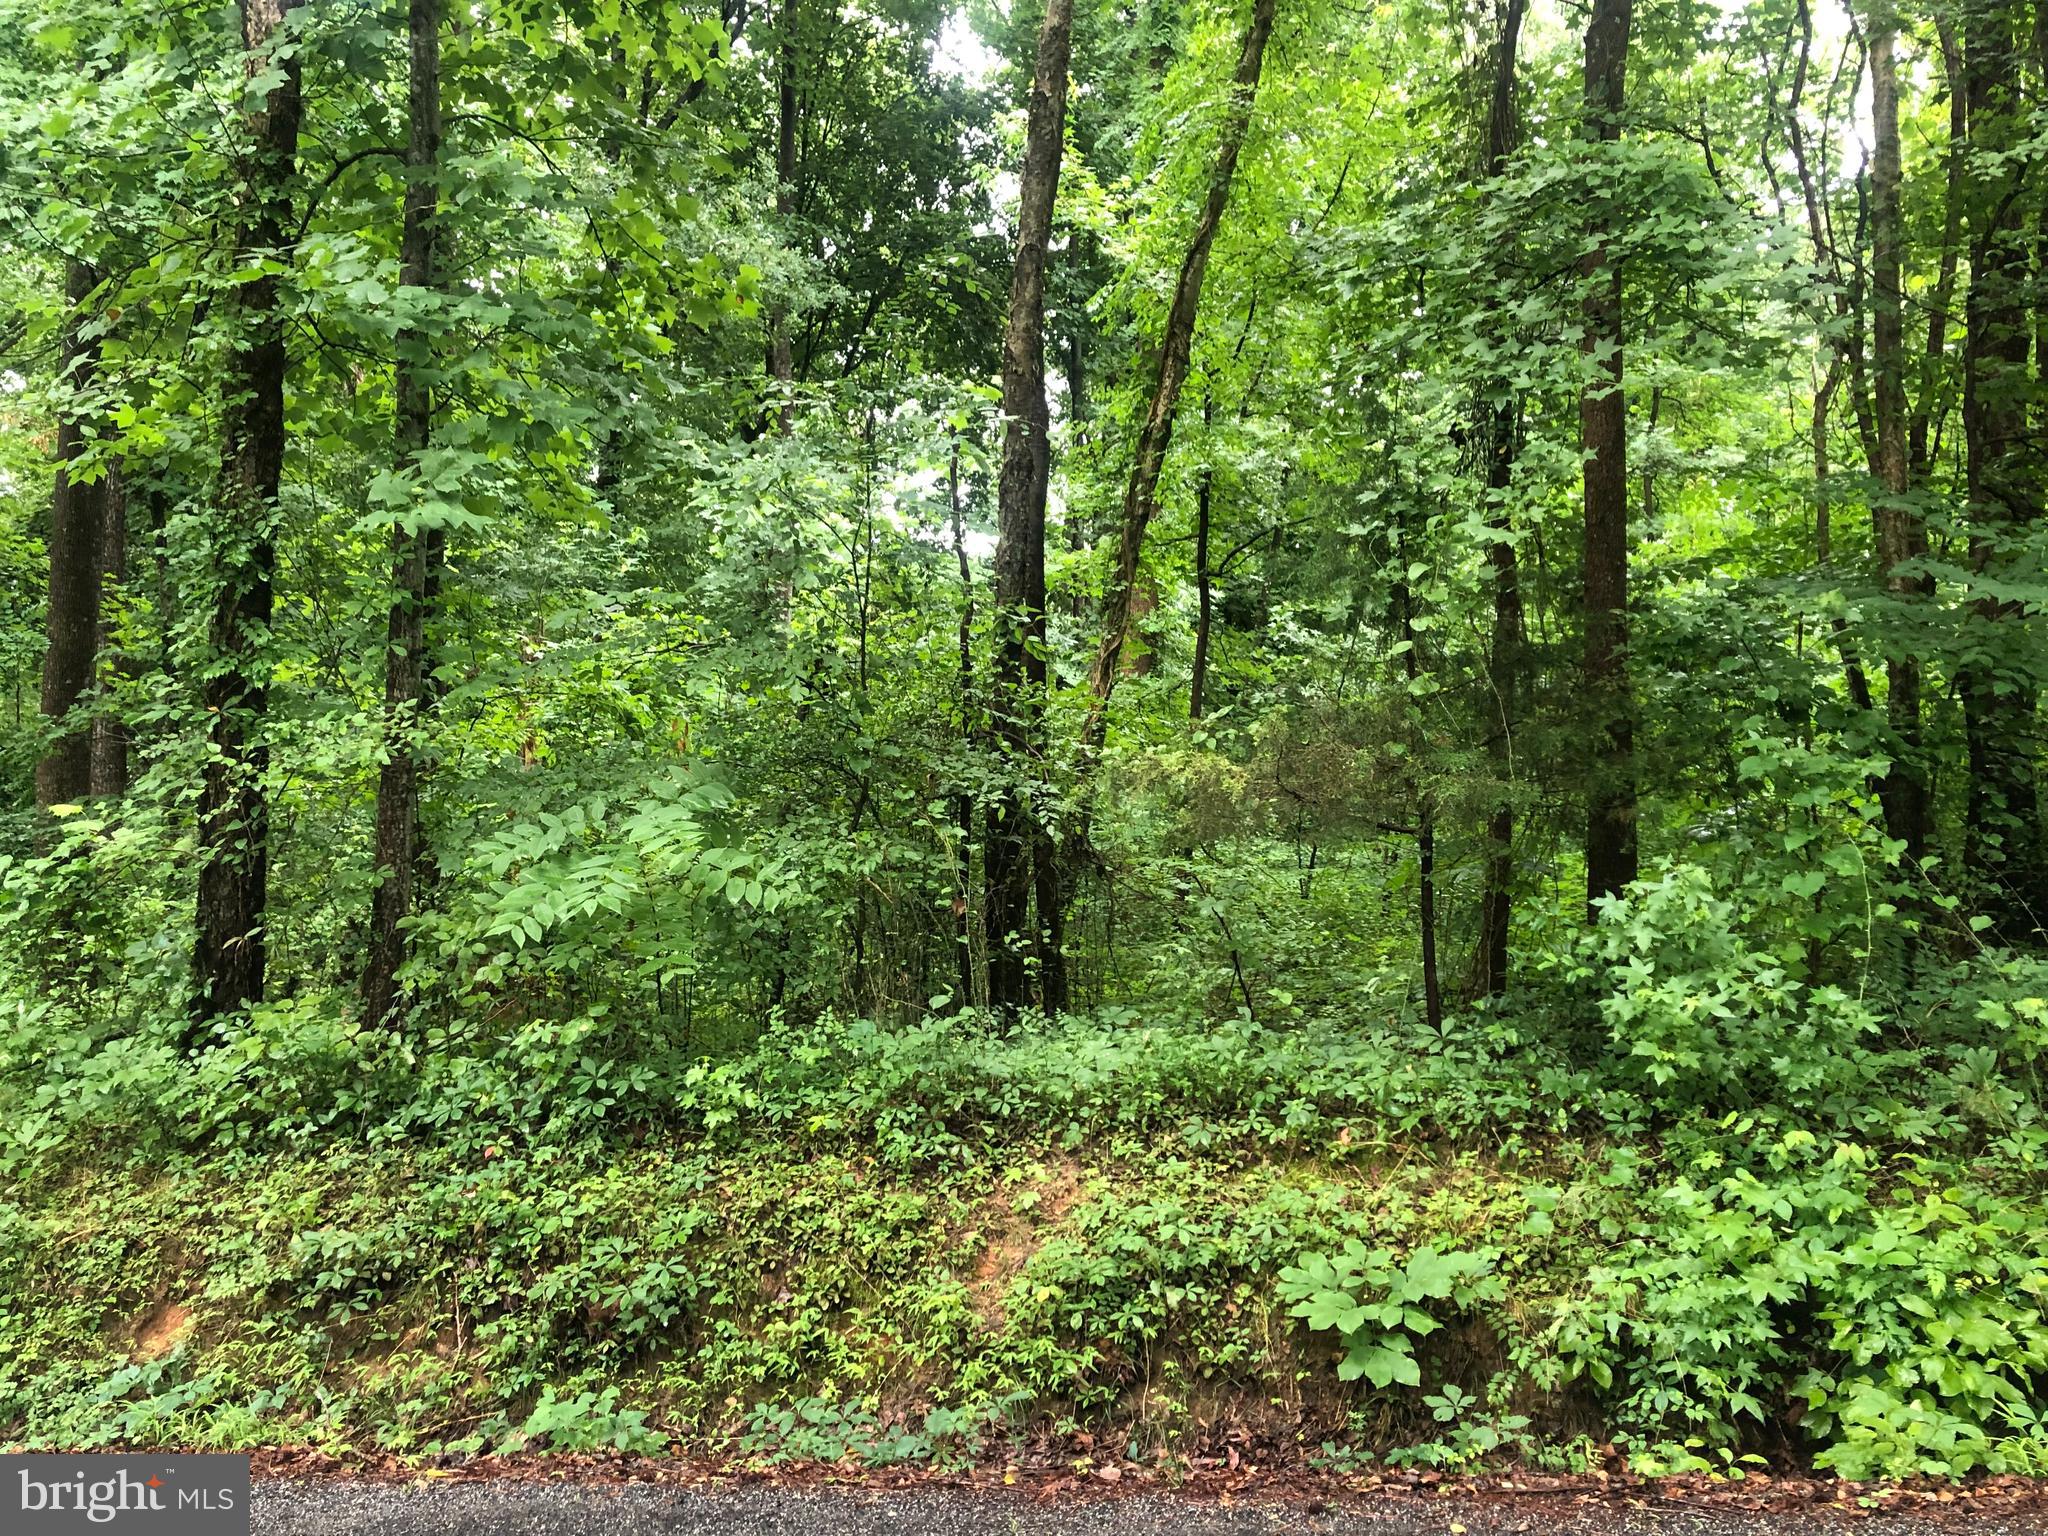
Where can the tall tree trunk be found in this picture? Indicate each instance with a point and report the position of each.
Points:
(405, 651)
(781, 362)
(1901, 536)
(1853, 675)
(109, 774)
(1176, 351)
(1423, 792)
(1074, 521)
(2001, 680)
(234, 811)
(1049, 892)
(1198, 672)
(963, 803)
(64, 774)
(1499, 433)
(1019, 675)
(1603, 435)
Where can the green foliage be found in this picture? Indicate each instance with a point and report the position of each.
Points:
(1702, 1020)
(819, 1430)
(1469, 1437)
(695, 1128)
(1378, 1307)
(590, 1421)
(1902, 1314)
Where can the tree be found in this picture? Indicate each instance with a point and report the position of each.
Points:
(1901, 532)
(1018, 679)
(1603, 437)
(1205, 600)
(234, 812)
(108, 774)
(2002, 675)
(412, 550)
(1499, 427)
(1155, 433)
(77, 517)
(781, 362)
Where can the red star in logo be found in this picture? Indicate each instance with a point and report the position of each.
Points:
(155, 1482)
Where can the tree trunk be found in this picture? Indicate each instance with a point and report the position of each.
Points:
(64, 774)
(1425, 797)
(1603, 434)
(1853, 675)
(405, 652)
(1901, 536)
(1198, 672)
(1504, 655)
(1176, 351)
(1049, 891)
(2000, 681)
(234, 812)
(109, 733)
(1140, 646)
(1019, 677)
(963, 803)
(781, 362)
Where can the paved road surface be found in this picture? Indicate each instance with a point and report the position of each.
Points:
(525, 1509)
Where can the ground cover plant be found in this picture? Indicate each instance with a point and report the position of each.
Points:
(858, 732)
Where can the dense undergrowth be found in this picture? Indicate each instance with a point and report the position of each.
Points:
(678, 778)
(1522, 1236)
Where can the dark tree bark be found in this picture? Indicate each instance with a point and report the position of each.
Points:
(1019, 677)
(2003, 842)
(1901, 535)
(1176, 351)
(1499, 434)
(234, 812)
(1198, 672)
(1049, 892)
(1603, 435)
(781, 361)
(1424, 794)
(77, 509)
(109, 774)
(405, 651)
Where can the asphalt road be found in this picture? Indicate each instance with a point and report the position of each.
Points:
(526, 1509)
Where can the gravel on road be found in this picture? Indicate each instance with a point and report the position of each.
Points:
(344, 1508)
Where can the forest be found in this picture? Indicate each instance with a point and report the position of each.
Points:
(864, 731)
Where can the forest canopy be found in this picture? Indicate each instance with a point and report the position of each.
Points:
(1390, 655)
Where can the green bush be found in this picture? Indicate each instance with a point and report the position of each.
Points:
(1892, 1312)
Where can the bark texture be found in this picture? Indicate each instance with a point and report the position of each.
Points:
(234, 812)
(77, 508)
(1901, 535)
(1018, 680)
(781, 360)
(1499, 436)
(1603, 435)
(109, 773)
(2003, 844)
(405, 655)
